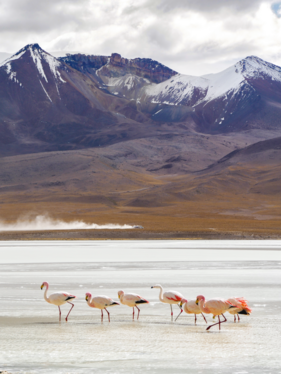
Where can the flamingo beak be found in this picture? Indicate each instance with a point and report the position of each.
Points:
(196, 301)
(152, 287)
(87, 297)
(42, 286)
(118, 296)
(180, 304)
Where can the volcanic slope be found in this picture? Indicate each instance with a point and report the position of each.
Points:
(45, 105)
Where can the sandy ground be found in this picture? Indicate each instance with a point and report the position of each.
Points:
(136, 234)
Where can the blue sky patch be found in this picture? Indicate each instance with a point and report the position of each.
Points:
(276, 8)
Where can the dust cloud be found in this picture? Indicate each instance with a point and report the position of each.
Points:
(44, 222)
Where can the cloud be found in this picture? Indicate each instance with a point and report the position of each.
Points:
(190, 36)
(203, 6)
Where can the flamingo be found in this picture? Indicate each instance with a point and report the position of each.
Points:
(169, 297)
(131, 299)
(190, 307)
(100, 302)
(242, 307)
(214, 306)
(58, 298)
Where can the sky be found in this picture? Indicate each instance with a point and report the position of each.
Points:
(190, 36)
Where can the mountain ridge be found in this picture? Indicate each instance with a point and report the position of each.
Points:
(47, 104)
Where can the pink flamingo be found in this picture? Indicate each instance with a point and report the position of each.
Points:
(190, 307)
(58, 298)
(214, 306)
(100, 302)
(169, 297)
(242, 307)
(132, 300)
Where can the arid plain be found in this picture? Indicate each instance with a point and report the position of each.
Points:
(197, 193)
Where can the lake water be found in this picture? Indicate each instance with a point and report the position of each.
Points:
(33, 341)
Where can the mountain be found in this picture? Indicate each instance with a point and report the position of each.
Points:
(45, 105)
(81, 101)
(244, 96)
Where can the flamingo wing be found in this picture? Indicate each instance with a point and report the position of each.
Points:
(101, 301)
(242, 305)
(172, 296)
(59, 298)
(191, 307)
(131, 299)
(217, 306)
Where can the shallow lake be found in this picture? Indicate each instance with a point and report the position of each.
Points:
(33, 341)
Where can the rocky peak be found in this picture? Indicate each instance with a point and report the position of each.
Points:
(142, 67)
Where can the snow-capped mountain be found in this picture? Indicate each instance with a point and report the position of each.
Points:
(44, 101)
(214, 102)
(78, 100)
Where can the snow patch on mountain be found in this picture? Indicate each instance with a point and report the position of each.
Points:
(223, 82)
(255, 67)
(176, 89)
(45, 91)
(190, 90)
(14, 57)
(54, 64)
(12, 74)
(37, 61)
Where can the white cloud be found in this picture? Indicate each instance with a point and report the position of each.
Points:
(190, 36)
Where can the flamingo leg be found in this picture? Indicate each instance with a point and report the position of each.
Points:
(133, 313)
(238, 317)
(234, 318)
(108, 314)
(204, 317)
(171, 312)
(179, 314)
(195, 318)
(138, 312)
(59, 314)
(70, 310)
(101, 315)
(218, 323)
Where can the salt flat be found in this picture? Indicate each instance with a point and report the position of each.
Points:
(32, 340)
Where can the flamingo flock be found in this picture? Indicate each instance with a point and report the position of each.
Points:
(216, 307)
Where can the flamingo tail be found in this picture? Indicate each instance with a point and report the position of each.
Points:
(142, 301)
(244, 311)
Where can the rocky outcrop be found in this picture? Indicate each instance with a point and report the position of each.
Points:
(117, 66)
(142, 67)
(84, 63)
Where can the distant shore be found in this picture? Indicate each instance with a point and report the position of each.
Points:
(134, 234)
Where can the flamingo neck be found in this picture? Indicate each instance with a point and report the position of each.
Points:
(161, 294)
(202, 307)
(45, 294)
